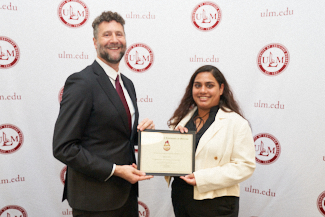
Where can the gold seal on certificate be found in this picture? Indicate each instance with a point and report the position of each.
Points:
(166, 153)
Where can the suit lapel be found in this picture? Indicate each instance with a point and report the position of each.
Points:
(184, 121)
(111, 93)
(212, 130)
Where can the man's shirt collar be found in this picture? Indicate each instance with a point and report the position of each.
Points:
(108, 70)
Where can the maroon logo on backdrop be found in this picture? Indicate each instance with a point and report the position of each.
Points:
(267, 148)
(60, 94)
(206, 16)
(139, 57)
(273, 59)
(321, 203)
(11, 138)
(143, 210)
(62, 174)
(13, 211)
(9, 52)
(73, 13)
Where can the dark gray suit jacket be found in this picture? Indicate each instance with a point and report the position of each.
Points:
(90, 135)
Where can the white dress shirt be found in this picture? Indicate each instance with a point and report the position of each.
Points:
(112, 74)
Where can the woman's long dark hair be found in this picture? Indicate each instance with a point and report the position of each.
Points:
(227, 100)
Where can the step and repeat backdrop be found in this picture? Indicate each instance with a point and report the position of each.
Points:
(271, 52)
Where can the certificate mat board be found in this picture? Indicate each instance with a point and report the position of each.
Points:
(166, 153)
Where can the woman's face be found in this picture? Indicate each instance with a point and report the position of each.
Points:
(206, 91)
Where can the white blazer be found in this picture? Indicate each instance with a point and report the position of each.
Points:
(225, 156)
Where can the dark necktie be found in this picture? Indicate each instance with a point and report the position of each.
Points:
(121, 94)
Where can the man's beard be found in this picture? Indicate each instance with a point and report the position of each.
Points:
(105, 55)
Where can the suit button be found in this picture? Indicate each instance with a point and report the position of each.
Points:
(216, 158)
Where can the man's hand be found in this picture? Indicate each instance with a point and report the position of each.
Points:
(146, 124)
(189, 179)
(130, 173)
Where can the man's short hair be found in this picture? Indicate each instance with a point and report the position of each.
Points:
(107, 16)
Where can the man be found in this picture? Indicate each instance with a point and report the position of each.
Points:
(97, 128)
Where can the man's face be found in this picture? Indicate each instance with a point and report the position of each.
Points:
(110, 43)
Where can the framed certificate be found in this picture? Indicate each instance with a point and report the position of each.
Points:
(166, 153)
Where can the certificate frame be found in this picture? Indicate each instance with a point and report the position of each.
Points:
(166, 152)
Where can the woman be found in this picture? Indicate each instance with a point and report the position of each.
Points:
(225, 154)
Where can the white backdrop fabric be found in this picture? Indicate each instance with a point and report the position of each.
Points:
(271, 52)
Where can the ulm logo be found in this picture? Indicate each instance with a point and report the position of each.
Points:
(206, 16)
(139, 57)
(321, 203)
(11, 138)
(73, 13)
(60, 94)
(63, 174)
(143, 210)
(267, 148)
(13, 211)
(9, 53)
(273, 59)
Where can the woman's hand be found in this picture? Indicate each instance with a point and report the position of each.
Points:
(146, 124)
(189, 179)
(181, 129)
